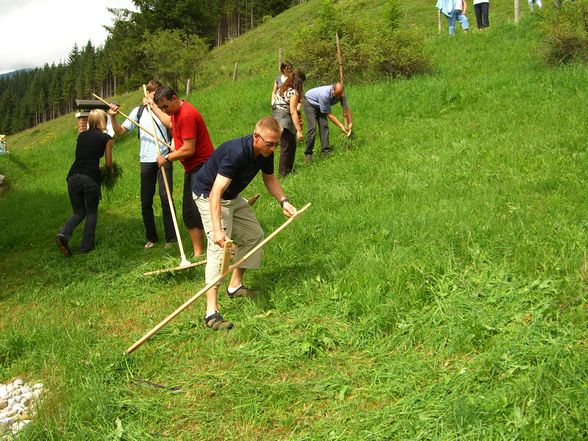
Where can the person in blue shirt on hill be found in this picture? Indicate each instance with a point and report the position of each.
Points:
(150, 172)
(454, 10)
(226, 215)
(317, 109)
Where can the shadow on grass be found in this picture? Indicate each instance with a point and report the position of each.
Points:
(31, 262)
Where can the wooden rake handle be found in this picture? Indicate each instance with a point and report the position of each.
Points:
(216, 281)
(149, 132)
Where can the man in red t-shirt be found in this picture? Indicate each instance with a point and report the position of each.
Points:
(192, 148)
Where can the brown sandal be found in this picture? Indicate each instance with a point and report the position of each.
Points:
(217, 322)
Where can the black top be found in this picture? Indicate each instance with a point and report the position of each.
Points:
(234, 160)
(89, 149)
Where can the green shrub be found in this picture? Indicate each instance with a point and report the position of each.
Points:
(567, 32)
(370, 49)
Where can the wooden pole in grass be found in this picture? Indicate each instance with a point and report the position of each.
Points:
(516, 11)
(184, 262)
(216, 281)
(134, 122)
(339, 58)
(439, 21)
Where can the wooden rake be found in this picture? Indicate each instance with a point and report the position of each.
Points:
(216, 281)
(185, 263)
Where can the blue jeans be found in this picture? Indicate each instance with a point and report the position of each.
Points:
(84, 195)
(457, 15)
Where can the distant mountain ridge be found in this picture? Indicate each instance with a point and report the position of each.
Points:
(14, 72)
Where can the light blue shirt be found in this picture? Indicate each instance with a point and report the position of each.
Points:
(148, 151)
(445, 6)
(322, 97)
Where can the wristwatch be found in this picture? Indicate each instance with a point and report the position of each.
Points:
(166, 157)
(283, 201)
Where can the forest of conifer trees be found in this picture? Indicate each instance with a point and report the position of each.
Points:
(133, 51)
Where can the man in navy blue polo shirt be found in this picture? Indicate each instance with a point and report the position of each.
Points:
(317, 109)
(226, 215)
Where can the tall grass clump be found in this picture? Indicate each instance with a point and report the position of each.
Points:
(567, 32)
(372, 49)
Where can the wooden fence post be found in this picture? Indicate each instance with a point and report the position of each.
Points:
(235, 71)
(516, 11)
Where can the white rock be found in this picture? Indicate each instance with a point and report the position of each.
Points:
(18, 382)
(18, 408)
(3, 392)
(9, 388)
(6, 421)
(25, 389)
(38, 386)
(36, 393)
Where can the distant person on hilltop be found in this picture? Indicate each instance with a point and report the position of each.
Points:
(317, 109)
(83, 182)
(193, 147)
(454, 10)
(481, 8)
(227, 215)
(532, 4)
(150, 171)
(286, 70)
(285, 110)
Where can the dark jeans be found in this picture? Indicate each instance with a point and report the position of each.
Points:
(150, 176)
(481, 10)
(84, 194)
(314, 115)
(190, 211)
(287, 152)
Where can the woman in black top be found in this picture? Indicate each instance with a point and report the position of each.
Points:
(83, 182)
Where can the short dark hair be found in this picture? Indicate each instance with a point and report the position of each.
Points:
(164, 92)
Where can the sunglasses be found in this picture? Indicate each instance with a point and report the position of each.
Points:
(269, 144)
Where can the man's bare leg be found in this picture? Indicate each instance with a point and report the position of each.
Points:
(197, 237)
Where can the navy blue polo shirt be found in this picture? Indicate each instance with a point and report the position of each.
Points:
(233, 160)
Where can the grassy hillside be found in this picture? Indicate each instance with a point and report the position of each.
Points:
(436, 289)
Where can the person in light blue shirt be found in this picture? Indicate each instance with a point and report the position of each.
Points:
(150, 171)
(455, 11)
(318, 103)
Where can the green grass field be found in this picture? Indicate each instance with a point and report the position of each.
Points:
(436, 288)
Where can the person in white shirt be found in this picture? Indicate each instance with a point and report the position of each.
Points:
(532, 4)
(481, 8)
(150, 171)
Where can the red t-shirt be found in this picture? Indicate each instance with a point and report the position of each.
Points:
(188, 123)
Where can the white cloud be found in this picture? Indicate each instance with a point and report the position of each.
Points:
(35, 32)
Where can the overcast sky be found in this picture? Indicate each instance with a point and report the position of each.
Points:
(35, 32)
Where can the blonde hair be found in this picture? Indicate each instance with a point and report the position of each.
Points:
(268, 124)
(97, 119)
